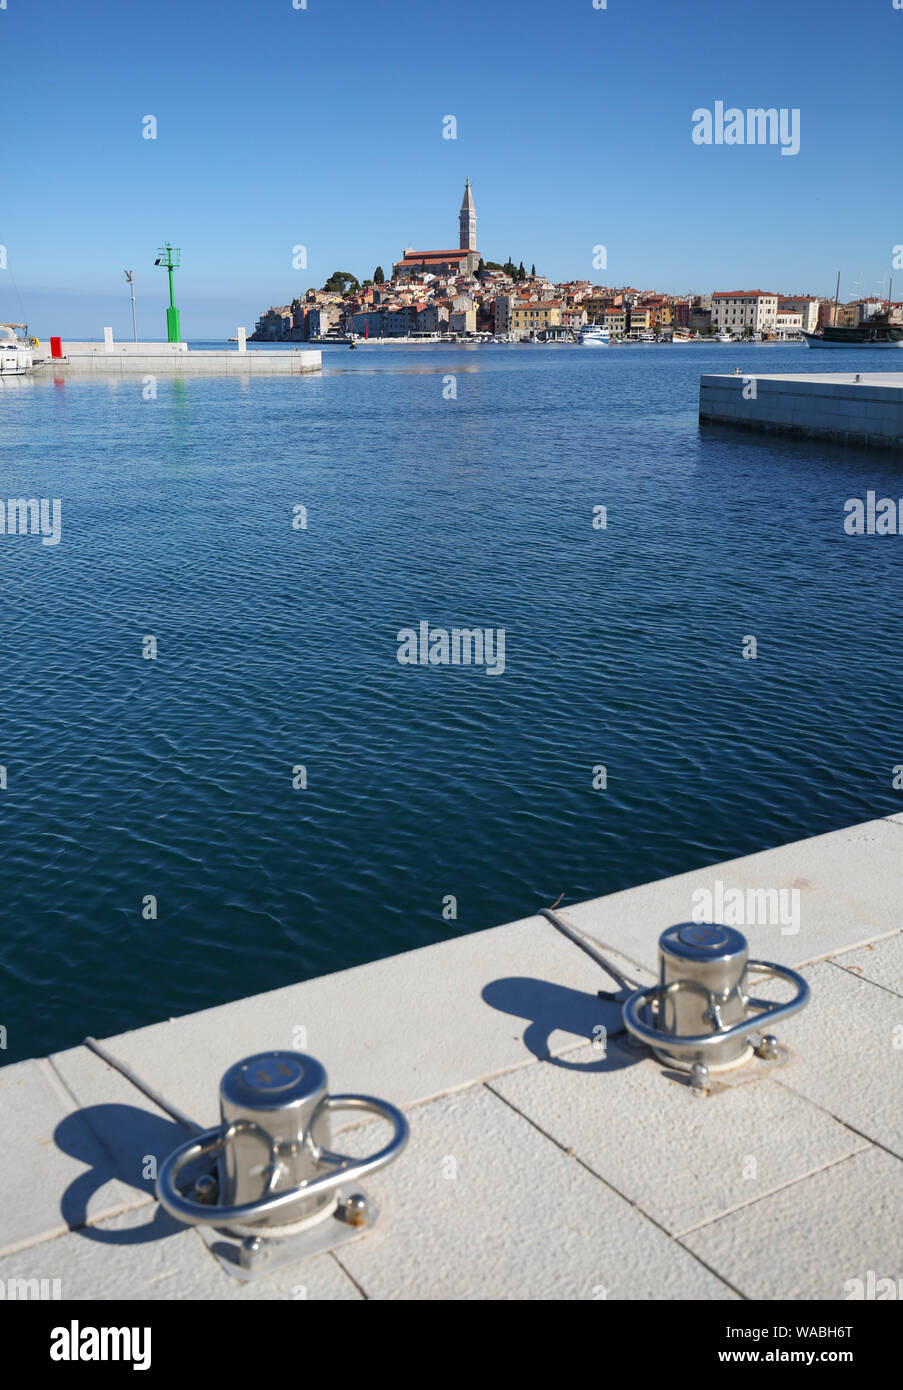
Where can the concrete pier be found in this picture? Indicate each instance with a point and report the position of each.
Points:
(175, 359)
(549, 1158)
(861, 408)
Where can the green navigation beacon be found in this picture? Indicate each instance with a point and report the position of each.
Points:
(169, 257)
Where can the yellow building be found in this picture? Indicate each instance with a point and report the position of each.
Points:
(595, 306)
(530, 317)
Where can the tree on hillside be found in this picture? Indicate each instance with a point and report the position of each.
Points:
(533, 271)
(521, 273)
(342, 282)
(378, 276)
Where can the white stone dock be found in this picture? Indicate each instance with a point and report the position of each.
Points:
(540, 1165)
(862, 408)
(175, 359)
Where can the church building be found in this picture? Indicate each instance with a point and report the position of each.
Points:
(463, 261)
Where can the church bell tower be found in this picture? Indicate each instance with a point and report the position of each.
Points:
(468, 221)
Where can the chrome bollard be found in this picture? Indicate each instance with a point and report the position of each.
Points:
(277, 1174)
(699, 1014)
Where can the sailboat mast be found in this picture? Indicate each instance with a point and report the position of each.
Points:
(836, 298)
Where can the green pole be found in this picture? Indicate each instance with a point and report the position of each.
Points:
(170, 261)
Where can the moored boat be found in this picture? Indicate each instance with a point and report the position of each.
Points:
(594, 335)
(16, 354)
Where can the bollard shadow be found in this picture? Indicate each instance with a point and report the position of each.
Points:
(550, 1008)
(121, 1142)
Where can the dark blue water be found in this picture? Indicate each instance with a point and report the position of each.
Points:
(277, 647)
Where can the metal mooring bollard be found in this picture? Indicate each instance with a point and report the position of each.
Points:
(280, 1191)
(699, 1016)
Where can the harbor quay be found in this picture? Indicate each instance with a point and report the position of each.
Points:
(859, 408)
(172, 359)
(550, 1156)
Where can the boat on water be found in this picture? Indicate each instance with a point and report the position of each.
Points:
(16, 354)
(874, 332)
(724, 337)
(594, 335)
(681, 337)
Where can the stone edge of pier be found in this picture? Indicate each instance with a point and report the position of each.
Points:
(830, 407)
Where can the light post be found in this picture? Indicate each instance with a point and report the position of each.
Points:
(169, 257)
(130, 281)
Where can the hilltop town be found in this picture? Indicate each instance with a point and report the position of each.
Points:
(455, 293)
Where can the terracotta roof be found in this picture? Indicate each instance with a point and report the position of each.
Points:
(744, 294)
(457, 254)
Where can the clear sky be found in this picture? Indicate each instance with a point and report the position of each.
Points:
(323, 127)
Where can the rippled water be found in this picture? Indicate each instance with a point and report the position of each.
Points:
(277, 647)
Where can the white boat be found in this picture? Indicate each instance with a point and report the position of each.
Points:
(681, 338)
(16, 354)
(594, 335)
(724, 337)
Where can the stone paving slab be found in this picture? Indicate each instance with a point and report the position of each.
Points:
(847, 1053)
(682, 1160)
(408, 1027)
(483, 1206)
(880, 963)
(145, 1255)
(850, 885)
(54, 1173)
(810, 1239)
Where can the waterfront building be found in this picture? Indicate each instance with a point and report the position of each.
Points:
(368, 323)
(742, 310)
(788, 322)
(615, 320)
(806, 305)
(504, 305)
(534, 315)
(462, 321)
(640, 319)
(274, 325)
(322, 318)
(433, 319)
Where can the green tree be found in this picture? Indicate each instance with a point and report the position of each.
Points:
(378, 276)
(533, 271)
(342, 282)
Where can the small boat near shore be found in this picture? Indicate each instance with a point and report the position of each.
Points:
(16, 354)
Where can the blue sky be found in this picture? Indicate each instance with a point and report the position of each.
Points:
(322, 127)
